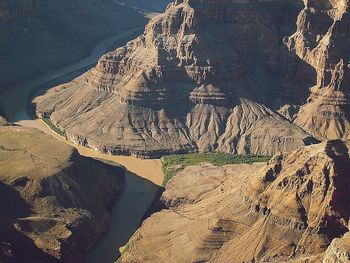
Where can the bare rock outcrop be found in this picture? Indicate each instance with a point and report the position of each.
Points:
(288, 210)
(322, 40)
(55, 204)
(3, 121)
(205, 76)
(339, 250)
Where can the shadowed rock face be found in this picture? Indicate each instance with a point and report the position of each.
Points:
(55, 204)
(149, 5)
(39, 36)
(205, 76)
(322, 40)
(288, 210)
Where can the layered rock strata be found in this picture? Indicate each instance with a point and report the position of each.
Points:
(288, 210)
(55, 204)
(205, 76)
(322, 40)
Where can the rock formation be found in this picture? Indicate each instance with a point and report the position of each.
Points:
(3, 120)
(288, 210)
(339, 250)
(55, 204)
(205, 76)
(322, 40)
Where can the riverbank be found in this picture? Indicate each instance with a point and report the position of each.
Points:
(150, 169)
(15, 105)
(140, 198)
(15, 97)
(173, 164)
(142, 178)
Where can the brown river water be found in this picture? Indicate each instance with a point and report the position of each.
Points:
(142, 178)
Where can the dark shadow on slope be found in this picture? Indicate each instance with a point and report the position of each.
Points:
(127, 216)
(12, 204)
(40, 36)
(338, 151)
(16, 247)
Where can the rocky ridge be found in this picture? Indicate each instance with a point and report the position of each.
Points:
(322, 40)
(205, 76)
(292, 209)
(55, 204)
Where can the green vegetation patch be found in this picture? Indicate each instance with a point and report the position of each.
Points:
(122, 251)
(52, 126)
(173, 164)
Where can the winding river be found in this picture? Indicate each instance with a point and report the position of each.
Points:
(142, 177)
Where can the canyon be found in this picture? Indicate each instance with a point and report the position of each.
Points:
(322, 39)
(215, 76)
(262, 77)
(37, 37)
(55, 204)
(57, 200)
(204, 76)
(292, 209)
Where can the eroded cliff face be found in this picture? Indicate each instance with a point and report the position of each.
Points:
(322, 40)
(205, 76)
(288, 210)
(339, 250)
(55, 204)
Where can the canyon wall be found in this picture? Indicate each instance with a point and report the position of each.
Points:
(292, 209)
(55, 204)
(205, 76)
(39, 36)
(322, 40)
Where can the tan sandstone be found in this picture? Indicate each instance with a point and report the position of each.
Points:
(204, 76)
(288, 210)
(55, 204)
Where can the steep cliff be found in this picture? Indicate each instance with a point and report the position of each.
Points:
(288, 210)
(55, 204)
(39, 36)
(205, 76)
(322, 40)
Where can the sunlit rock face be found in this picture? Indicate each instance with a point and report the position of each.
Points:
(292, 209)
(204, 76)
(339, 250)
(322, 40)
